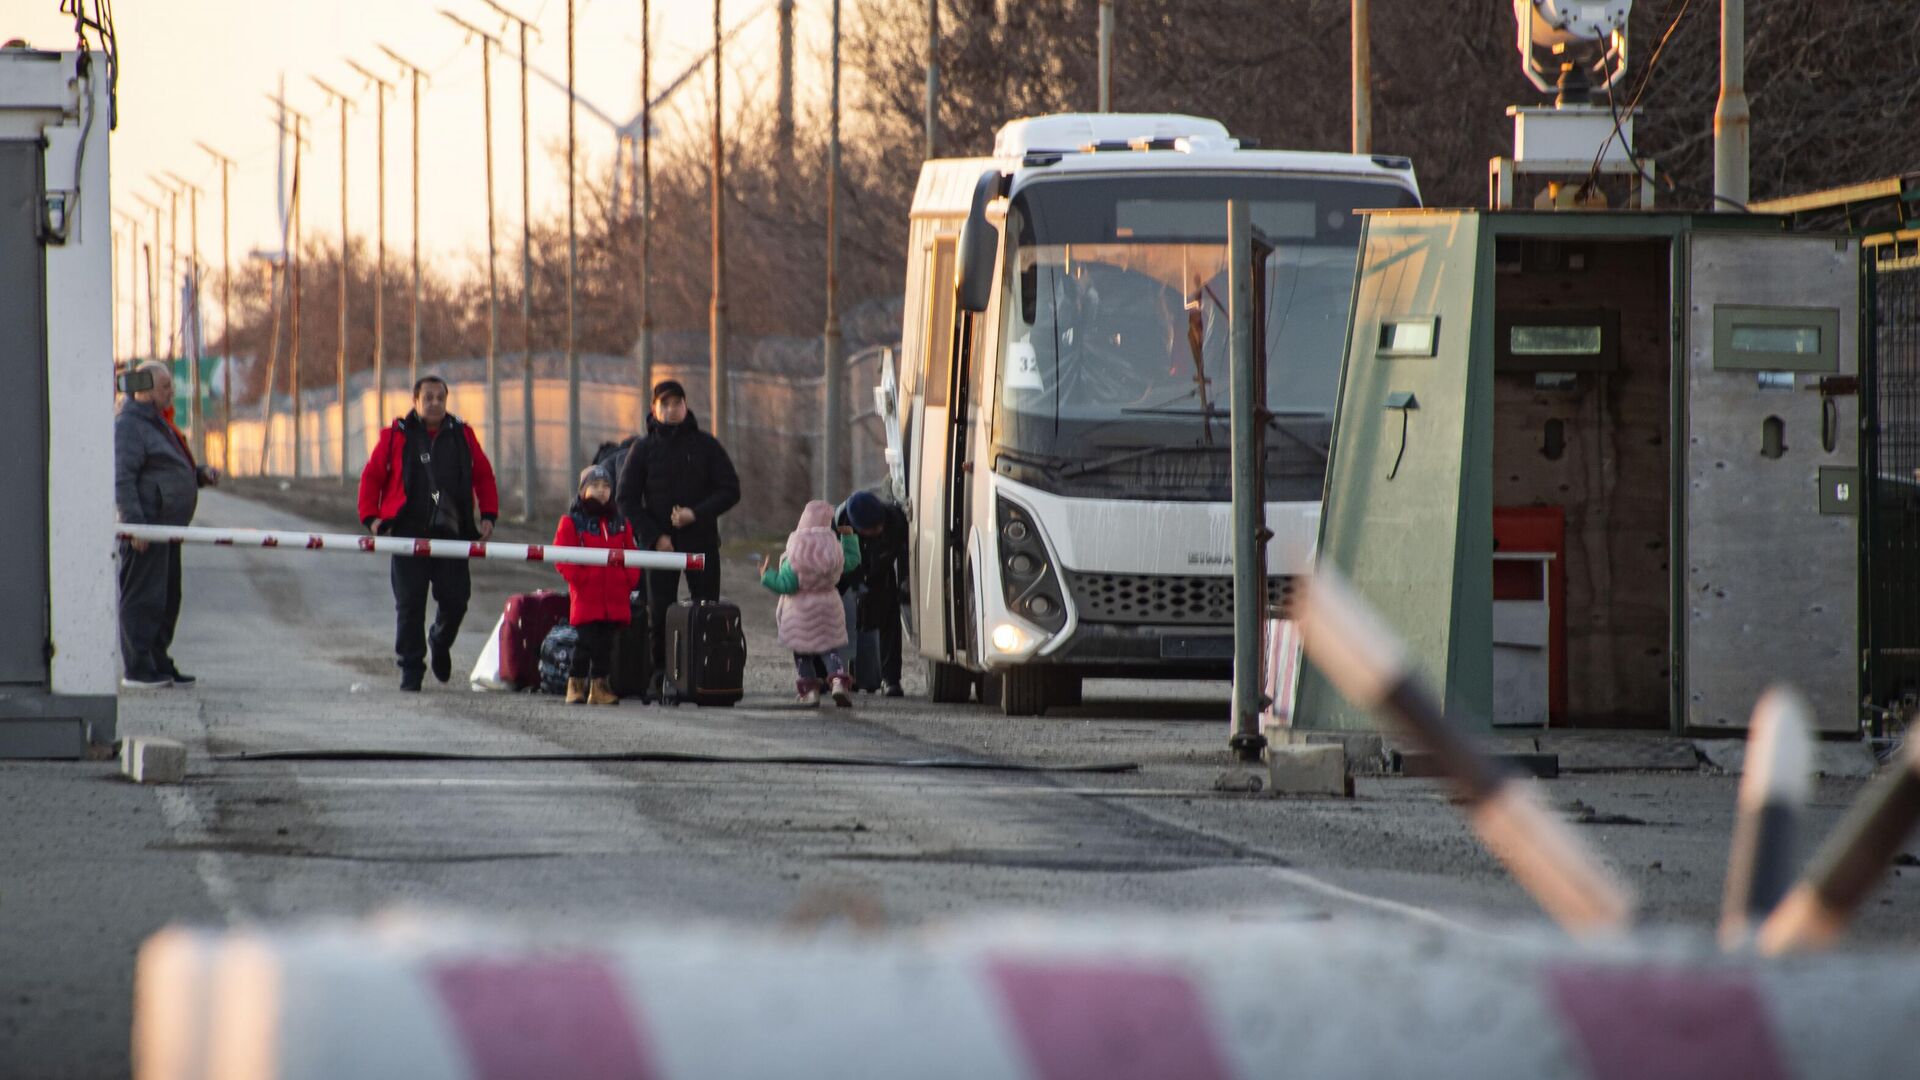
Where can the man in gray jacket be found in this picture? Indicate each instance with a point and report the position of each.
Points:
(155, 482)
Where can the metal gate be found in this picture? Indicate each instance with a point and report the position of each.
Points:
(1890, 451)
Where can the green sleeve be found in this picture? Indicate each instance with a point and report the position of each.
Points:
(781, 579)
(850, 548)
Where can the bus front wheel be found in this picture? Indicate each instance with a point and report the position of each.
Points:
(948, 684)
(1026, 690)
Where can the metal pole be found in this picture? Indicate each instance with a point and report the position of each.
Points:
(645, 360)
(173, 273)
(340, 296)
(418, 73)
(381, 88)
(487, 44)
(153, 287)
(1362, 77)
(226, 318)
(1249, 553)
(530, 477)
(293, 299)
(573, 271)
(783, 125)
(833, 433)
(1106, 55)
(528, 448)
(1732, 122)
(194, 421)
(932, 112)
(717, 316)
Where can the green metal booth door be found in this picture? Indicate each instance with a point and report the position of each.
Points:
(1412, 448)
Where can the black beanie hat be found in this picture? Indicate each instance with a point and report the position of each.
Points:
(668, 388)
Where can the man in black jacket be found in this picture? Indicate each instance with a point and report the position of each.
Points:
(676, 482)
(876, 590)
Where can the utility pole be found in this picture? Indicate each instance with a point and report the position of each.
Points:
(573, 270)
(226, 318)
(153, 287)
(1106, 55)
(194, 419)
(172, 262)
(645, 359)
(833, 435)
(528, 453)
(932, 121)
(1363, 77)
(381, 89)
(488, 42)
(1732, 122)
(783, 125)
(418, 73)
(292, 254)
(717, 317)
(133, 283)
(340, 348)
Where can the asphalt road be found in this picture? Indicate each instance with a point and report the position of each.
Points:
(293, 653)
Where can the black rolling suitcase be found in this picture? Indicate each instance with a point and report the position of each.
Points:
(706, 653)
(633, 654)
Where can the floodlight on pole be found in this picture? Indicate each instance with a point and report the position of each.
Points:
(226, 316)
(529, 477)
(340, 310)
(417, 73)
(194, 420)
(382, 87)
(488, 43)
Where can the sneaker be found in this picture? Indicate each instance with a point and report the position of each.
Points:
(182, 679)
(808, 693)
(157, 682)
(842, 691)
(893, 690)
(442, 663)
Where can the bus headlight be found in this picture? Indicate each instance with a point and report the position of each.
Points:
(1008, 638)
(1027, 577)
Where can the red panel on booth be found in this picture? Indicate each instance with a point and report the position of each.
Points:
(1540, 529)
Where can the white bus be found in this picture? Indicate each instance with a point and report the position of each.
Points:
(1059, 429)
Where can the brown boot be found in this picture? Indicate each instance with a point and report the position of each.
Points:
(576, 691)
(601, 693)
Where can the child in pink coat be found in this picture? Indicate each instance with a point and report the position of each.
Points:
(811, 617)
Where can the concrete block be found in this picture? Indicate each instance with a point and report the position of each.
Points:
(153, 761)
(1308, 770)
(1366, 750)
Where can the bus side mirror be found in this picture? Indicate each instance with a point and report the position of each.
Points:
(979, 244)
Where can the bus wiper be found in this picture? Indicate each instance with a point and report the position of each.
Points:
(1277, 421)
(1049, 465)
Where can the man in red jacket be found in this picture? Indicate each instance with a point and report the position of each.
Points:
(425, 475)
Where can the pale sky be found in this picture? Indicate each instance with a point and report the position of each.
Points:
(202, 69)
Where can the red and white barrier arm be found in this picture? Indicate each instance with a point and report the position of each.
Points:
(401, 545)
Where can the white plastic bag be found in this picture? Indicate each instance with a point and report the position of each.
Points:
(486, 670)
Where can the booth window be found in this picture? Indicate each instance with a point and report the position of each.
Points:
(1405, 336)
(1559, 341)
(1775, 338)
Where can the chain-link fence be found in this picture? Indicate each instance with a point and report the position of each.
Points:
(773, 433)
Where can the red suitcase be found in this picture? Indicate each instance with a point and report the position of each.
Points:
(530, 617)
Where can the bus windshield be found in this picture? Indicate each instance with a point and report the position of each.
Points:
(1114, 378)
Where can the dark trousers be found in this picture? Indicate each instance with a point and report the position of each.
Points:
(593, 652)
(413, 577)
(663, 591)
(149, 608)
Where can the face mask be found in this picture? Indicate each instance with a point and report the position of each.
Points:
(591, 505)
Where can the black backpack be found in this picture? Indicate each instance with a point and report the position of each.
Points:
(556, 658)
(614, 457)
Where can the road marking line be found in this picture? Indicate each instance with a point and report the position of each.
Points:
(190, 827)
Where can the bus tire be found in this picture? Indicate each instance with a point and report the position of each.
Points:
(1025, 690)
(949, 684)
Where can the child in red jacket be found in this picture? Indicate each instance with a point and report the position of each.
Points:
(598, 595)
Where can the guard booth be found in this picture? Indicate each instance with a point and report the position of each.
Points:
(1600, 469)
(59, 638)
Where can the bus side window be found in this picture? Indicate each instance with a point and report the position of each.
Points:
(937, 350)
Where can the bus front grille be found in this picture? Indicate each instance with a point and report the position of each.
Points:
(1167, 599)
